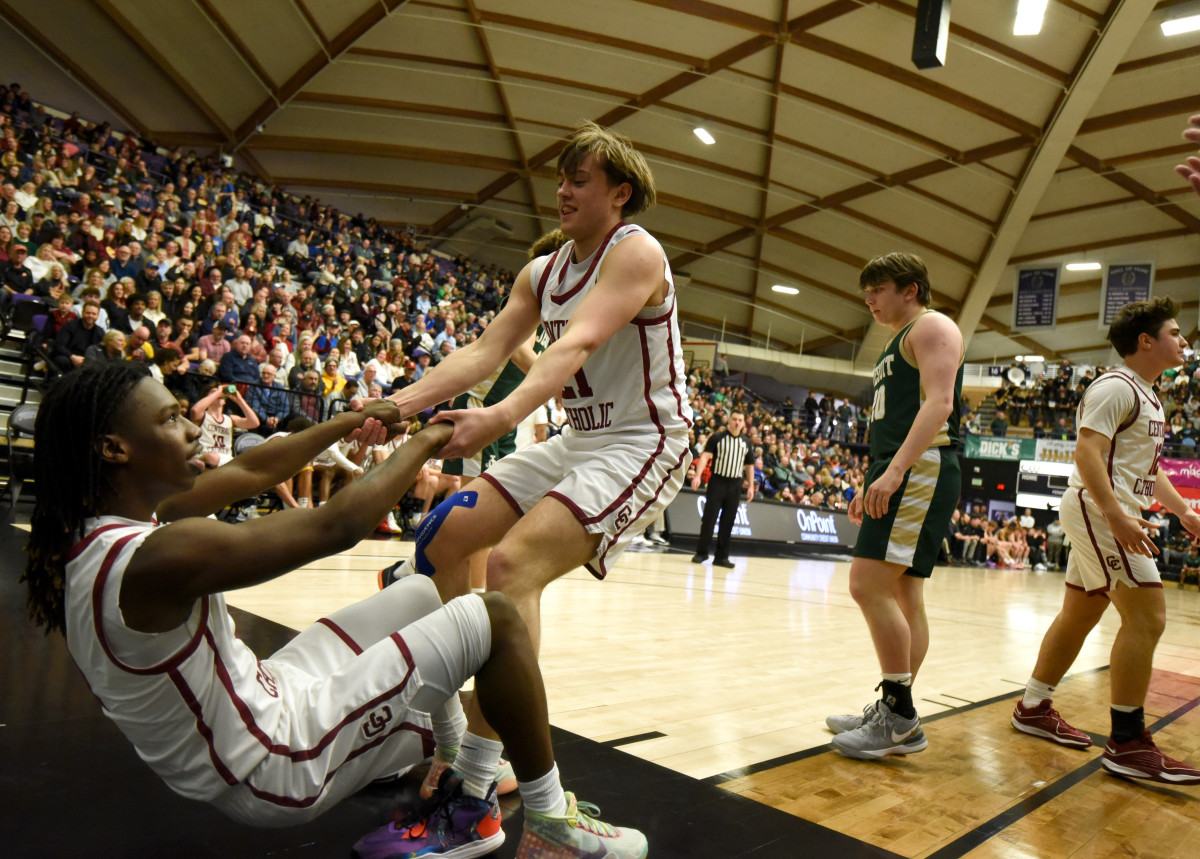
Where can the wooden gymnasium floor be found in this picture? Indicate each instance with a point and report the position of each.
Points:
(689, 702)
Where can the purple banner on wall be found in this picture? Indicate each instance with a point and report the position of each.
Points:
(1182, 472)
(1036, 298)
(1124, 283)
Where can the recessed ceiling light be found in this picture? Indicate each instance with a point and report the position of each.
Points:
(1029, 17)
(1084, 266)
(704, 136)
(786, 290)
(1181, 25)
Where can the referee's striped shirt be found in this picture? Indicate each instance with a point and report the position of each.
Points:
(731, 454)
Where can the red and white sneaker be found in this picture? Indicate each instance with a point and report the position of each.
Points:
(1044, 721)
(1140, 758)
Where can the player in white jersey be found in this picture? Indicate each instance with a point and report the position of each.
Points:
(216, 426)
(1120, 423)
(366, 692)
(607, 301)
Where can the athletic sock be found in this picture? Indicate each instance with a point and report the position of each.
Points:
(1036, 692)
(1128, 723)
(897, 694)
(476, 761)
(544, 795)
(406, 568)
(449, 725)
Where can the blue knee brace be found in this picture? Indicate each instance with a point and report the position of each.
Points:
(432, 523)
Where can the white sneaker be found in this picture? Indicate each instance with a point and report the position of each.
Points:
(884, 733)
(578, 833)
(841, 724)
(657, 539)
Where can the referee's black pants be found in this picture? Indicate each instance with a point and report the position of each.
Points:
(722, 497)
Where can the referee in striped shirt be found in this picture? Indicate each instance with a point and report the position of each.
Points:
(731, 456)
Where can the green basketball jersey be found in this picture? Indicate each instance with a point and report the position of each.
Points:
(898, 397)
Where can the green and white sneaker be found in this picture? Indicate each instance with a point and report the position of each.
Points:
(883, 733)
(841, 724)
(579, 834)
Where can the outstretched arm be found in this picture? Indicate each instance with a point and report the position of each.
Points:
(272, 462)
(185, 560)
(464, 368)
(632, 273)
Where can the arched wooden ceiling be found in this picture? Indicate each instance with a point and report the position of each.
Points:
(831, 148)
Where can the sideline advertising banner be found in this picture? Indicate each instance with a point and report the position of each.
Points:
(769, 522)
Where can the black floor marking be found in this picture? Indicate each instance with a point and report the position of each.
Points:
(792, 757)
(964, 844)
(636, 738)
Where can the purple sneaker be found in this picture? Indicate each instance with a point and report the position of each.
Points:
(450, 825)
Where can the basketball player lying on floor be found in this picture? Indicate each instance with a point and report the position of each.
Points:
(120, 559)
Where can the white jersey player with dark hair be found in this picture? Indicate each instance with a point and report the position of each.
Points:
(1116, 475)
(607, 301)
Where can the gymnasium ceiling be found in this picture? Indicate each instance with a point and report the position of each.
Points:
(831, 148)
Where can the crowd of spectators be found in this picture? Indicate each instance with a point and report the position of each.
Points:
(796, 456)
(176, 260)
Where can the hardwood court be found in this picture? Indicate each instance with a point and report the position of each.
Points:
(689, 702)
(727, 676)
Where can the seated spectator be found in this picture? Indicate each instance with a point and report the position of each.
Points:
(334, 381)
(167, 366)
(138, 346)
(307, 399)
(238, 365)
(339, 401)
(214, 346)
(110, 349)
(63, 313)
(305, 363)
(17, 277)
(216, 426)
(76, 337)
(270, 403)
(1191, 567)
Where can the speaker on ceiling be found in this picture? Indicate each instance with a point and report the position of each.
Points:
(931, 34)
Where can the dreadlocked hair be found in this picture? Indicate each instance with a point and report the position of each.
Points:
(77, 411)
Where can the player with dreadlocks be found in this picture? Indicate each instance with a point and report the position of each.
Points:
(124, 561)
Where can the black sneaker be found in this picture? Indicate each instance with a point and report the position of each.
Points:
(723, 562)
(698, 558)
(387, 576)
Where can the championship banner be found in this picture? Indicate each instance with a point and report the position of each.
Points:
(1124, 283)
(1035, 299)
(994, 447)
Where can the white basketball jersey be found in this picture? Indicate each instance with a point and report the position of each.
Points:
(1123, 406)
(634, 383)
(216, 435)
(194, 701)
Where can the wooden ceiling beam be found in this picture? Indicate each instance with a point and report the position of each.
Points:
(411, 107)
(669, 87)
(1161, 110)
(1051, 253)
(160, 61)
(287, 143)
(509, 119)
(1093, 70)
(1137, 189)
(235, 41)
(31, 34)
(330, 51)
